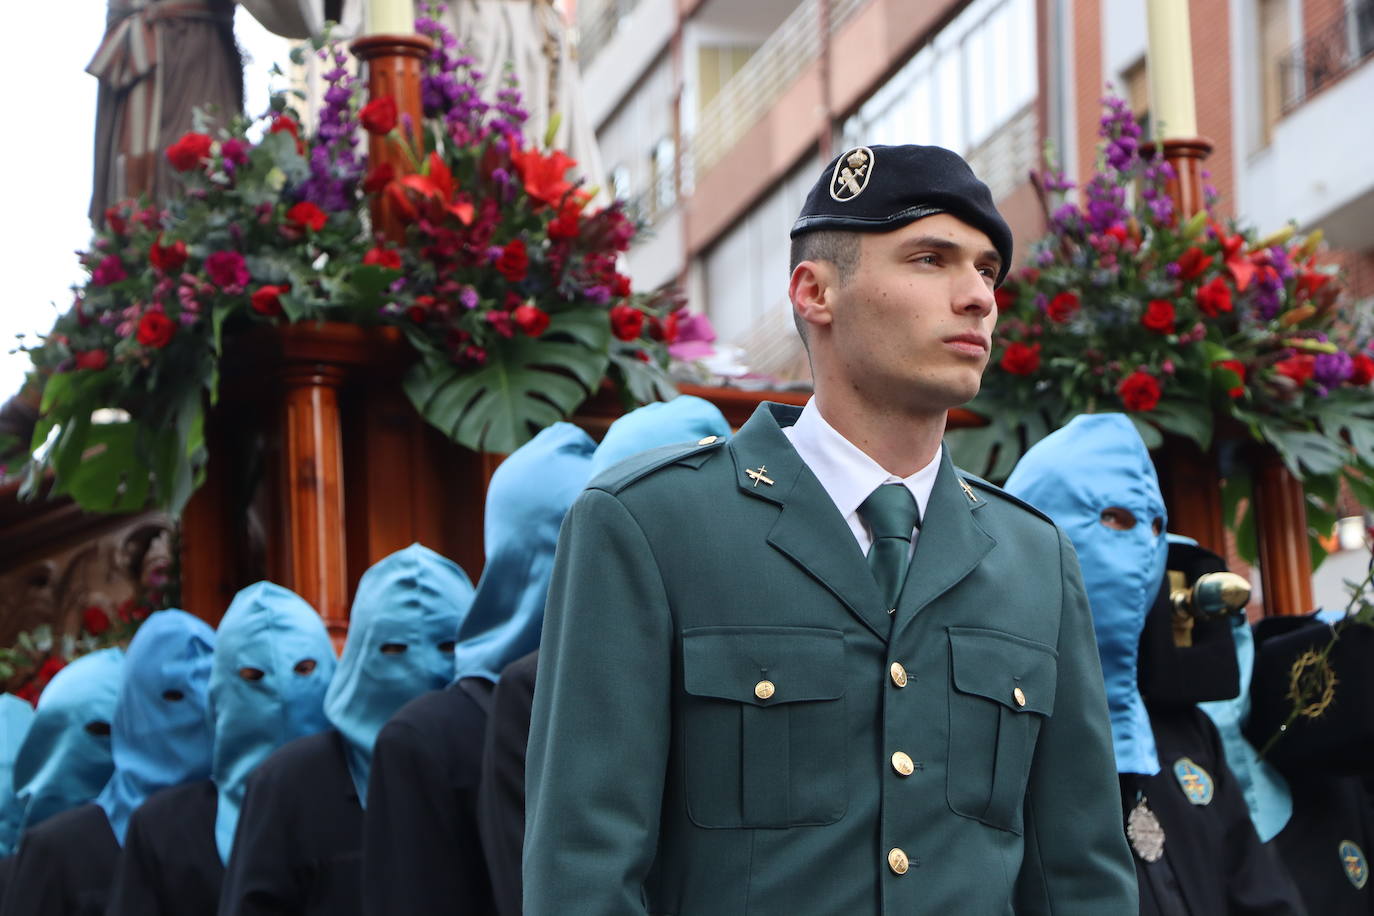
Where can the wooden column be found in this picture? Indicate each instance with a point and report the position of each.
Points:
(1281, 532)
(1192, 491)
(312, 463)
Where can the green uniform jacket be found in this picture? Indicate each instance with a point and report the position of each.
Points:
(664, 776)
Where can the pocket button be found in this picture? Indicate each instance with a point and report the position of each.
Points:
(764, 689)
(1019, 696)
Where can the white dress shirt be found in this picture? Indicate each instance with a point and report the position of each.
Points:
(848, 475)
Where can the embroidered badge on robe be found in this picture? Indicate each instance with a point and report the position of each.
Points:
(1355, 865)
(1195, 782)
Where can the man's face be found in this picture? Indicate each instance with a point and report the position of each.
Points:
(913, 325)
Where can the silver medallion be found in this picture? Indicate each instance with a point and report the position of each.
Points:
(1145, 833)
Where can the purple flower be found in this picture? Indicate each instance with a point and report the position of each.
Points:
(1106, 203)
(468, 297)
(598, 294)
(1122, 133)
(335, 170)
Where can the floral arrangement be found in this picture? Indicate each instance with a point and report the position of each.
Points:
(506, 283)
(1190, 326)
(37, 655)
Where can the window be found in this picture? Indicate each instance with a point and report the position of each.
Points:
(662, 192)
(1273, 45)
(1136, 88)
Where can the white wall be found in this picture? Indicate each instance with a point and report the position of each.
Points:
(617, 68)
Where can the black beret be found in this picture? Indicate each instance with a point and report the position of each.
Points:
(881, 188)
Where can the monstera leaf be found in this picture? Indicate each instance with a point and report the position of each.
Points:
(528, 385)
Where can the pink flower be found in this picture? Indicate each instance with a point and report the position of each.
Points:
(227, 269)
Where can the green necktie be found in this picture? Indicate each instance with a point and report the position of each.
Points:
(891, 513)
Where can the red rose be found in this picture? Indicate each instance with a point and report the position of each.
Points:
(1062, 307)
(227, 268)
(1214, 297)
(1021, 359)
(266, 300)
(502, 322)
(533, 321)
(1362, 370)
(379, 115)
(155, 330)
(167, 258)
(1297, 368)
(1005, 297)
(621, 287)
(389, 258)
(51, 665)
(1118, 232)
(670, 326)
(514, 261)
(114, 218)
(1238, 367)
(94, 360)
(307, 216)
(1139, 391)
(1192, 263)
(95, 621)
(187, 153)
(379, 177)
(1159, 316)
(627, 322)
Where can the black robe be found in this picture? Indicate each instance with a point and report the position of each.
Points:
(298, 846)
(501, 800)
(1214, 862)
(422, 852)
(65, 866)
(6, 870)
(170, 865)
(1330, 811)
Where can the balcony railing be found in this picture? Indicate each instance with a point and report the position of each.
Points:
(596, 30)
(1327, 54)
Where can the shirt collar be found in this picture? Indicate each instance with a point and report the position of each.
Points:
(846, 473)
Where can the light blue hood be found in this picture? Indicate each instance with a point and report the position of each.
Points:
(161, 733)
(684, 419)
(413, 598)
(528, 496)
(16, 716)
(65, 758)
(1095, 462)
(1266, 793)
(266, 633)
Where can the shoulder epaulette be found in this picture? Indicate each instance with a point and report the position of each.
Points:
(995, 490)
(619, 476)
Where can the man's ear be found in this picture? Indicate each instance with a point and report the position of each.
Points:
(812, 291)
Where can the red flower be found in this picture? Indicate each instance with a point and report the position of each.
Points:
(565, 225)
(1238, 367)
(167, 258)
(1297, 368)
(436, 185)
(627, 322)
(51, 665)
(533, 321)
(1362, 370)
(1192, 263)
(1159, 316)
(1005, 296)
(114, 218)
(109, 270)
(95, 621)
(266, 300)
(227, 268)
(389, 258)
(155, 330)
(307, 216)
(621, 287)
(1139, 391)
(1117, 231)
(514, 261)
(379, 177)
(544, 175)
(94, 360)
(1062, 307)
(187, 153)
(234, 150)
(1020, 358)
(670, 326)
(502, 322)
(379, 115)
(1309, 282)
(283, 123)
(1214, 297)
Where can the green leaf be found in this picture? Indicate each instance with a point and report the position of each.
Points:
(1190, 419)
(1246, 544)
(1148, 431)
(1312, 452)
(112, 478)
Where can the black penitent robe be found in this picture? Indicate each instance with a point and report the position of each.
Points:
(501, 801)
(298, 846)
(170, 865)
(422, 851)
(1214, 862)
(1327, 843)
(6, 870)
(65, 866)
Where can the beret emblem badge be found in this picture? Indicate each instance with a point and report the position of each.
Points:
(852, 172)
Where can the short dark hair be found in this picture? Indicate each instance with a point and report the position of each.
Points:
(837, 246)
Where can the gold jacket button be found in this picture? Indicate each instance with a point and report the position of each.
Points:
(902, 764)
(764, 689)
(898, 674)
(1019, 696)
(708, 440)
(897, 861)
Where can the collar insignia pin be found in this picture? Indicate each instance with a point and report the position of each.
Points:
(758, 475)
(968, 491)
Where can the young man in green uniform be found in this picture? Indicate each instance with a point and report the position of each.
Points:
(815, 669)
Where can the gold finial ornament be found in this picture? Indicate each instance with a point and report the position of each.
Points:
(852, 173)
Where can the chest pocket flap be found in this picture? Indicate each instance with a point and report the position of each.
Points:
(1006, 669)
(799, 664)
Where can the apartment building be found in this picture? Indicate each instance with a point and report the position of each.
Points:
(715, 116)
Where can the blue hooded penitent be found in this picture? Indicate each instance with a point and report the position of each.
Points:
(528, 496)
(684, 419)
(160, 733)
(273, 663)
(1097, 462)
(65, 758)
(401, 634)
(15, 718)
